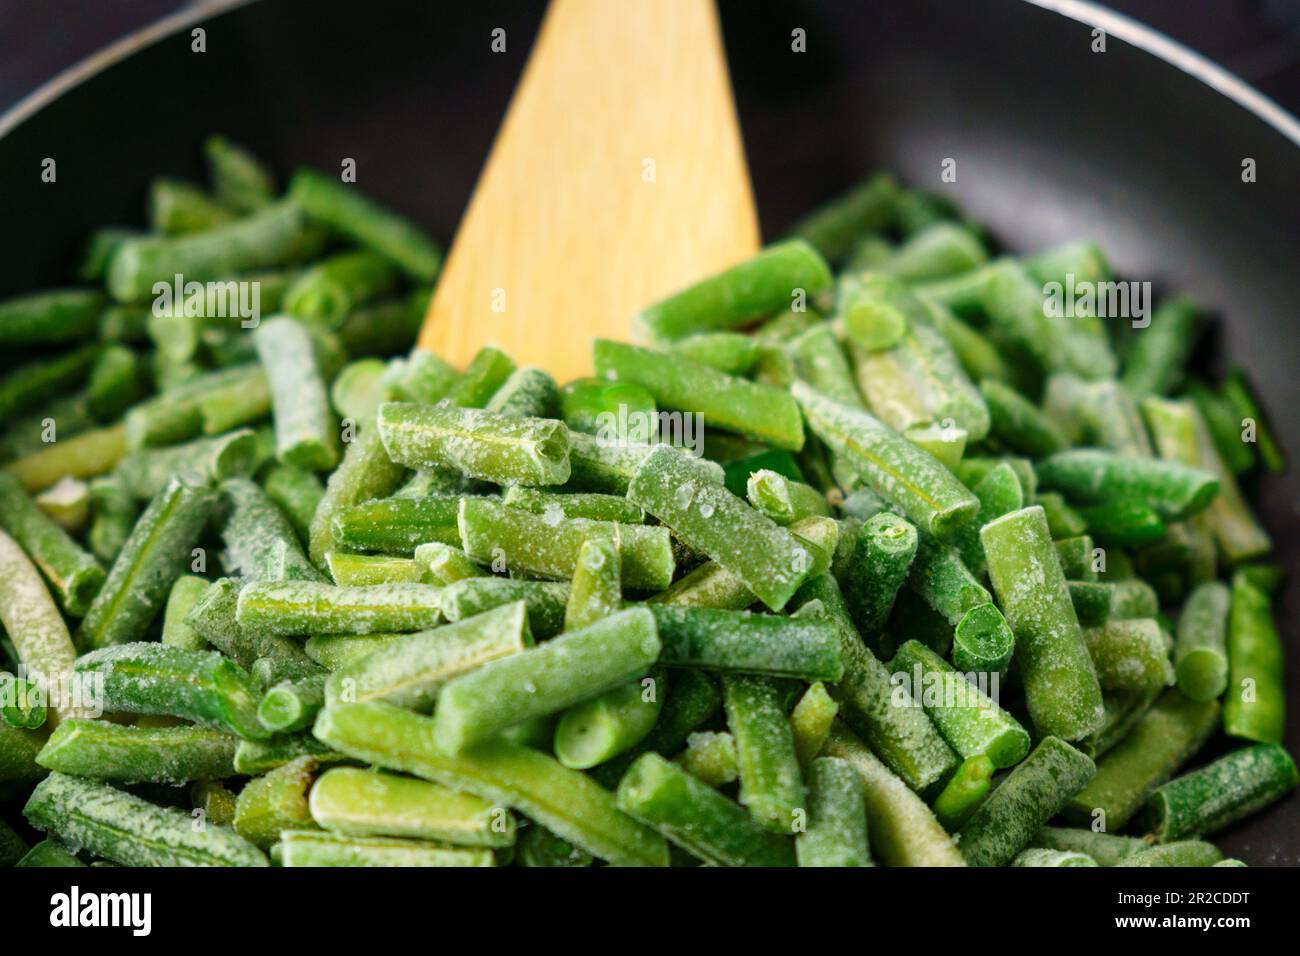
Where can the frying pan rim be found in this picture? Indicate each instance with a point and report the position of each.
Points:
(1132, 32)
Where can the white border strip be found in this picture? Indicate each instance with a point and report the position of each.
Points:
(1174, 53)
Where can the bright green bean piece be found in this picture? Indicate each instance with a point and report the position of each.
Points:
(309, 607)
(745, 643)
(326, 293)
(891, 466)
(1052, 660)
(202, 686)
(365, 803)
(736, 296)
(74, 575)
(1158, 358)
(366, 473)
(1232, 787)
(214, 618)
(904, 737)
(1042, 856)
(239, 179)
(710, 756)
(568, 669)
(1031, 795)
(834, 227)
(767, 558)
(410, 671)
(608, 409)
(1237, 391)
(483, 377)
(696, 817)
(548, 546)
(1094, 476)
(982, 641)
(177, 208)
(970, 721)
(876, 568)
(756, 411)
(771, 784)
(837, 820)
(276, 802)
(261, 545)
(565, 801)
(811, 721)
(63, 316)
(346, 210)
(901, 828)
(528, 393)
(307, 848)
(146, 473)
(114, 382)
(292, 705)
(820, 361)
(939, 250)
(442, 564)
(306, 434)
(731, 352)
(482, 444)
(1019, 424)
(964, 792)
(545, 601)
(596, 590)
(397, 525)
(40, 636)
(359, 389)
(1184, 853)
(1254, 707)
(130, 831)
(270, 237)
(362, 570)
(1104, 848)
(602, 727)
(783, 500)
(597, 507)
(1162, 741)
(106, 751)
(1130, 655)
(979, 358)
(254, 757)
(156, 554)
(878, 310)
(940, 578)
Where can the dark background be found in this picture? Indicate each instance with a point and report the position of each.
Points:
(1259, 40)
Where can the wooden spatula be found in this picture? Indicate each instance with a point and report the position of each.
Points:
(617, 178)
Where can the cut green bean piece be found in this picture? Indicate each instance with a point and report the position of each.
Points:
(326, 293)
(539, 847)
(442, 564)
(968, 718)
(29, 386)
(365, 473)
(1094, 476)
(106, 751)
(783, 500)
(1200, 644)
(74, 575)
(771, 785)
(130, 831)
(820, 361)
(308, 848)
(359, 389)
(410, 671)
(736, 296)
(482, 444)
(261, 545)
(1163, 740)
(811, 721)
(876, 568)
(565, 801)
(878, 310)
(901, 828)
(292, 704)
(1158, 358)
(891, 466)
(596, 590)
(276, 802)
(964, 792)
(397, 525)
(1051, 658)
(1042, 856)
(710, 756)
(270, 237)
(308, 607)
(597, 729)
(982, 641)
(1254, 706)
(48, 853)
(1130, 655)
(18, 750)
(1031, 795)
(1104, 848)
(63, 316)
(214, 618)
(483, 377)
(731, 352)
(837, 818)
(1019, 424)
(40, 637)
(177, 207)
(366, 803)
(362, 570)
(745, 643)
(202, 686)
(545, 600)
(239, 179)
(254, 757)
(573, 667)
(537, 546)
(348, 211)
(834, 227)
(528, 393)
(940, 578)
(22, 703)
(767, 558)
(146, 473)
(901, 733)
(696, 817)
(156, 554)
(591, 505)
(756, 411)
(1237, 391)
(1183, 853)
(1207, 800)
(306, 434)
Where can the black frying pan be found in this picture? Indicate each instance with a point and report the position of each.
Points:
(1139, 147)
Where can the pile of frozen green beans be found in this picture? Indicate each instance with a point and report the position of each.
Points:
(932, 575)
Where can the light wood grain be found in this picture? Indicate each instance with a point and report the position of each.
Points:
(571, 230)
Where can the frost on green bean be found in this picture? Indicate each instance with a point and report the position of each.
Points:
(308, 607)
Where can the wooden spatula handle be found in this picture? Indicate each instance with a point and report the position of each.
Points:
(617, 177)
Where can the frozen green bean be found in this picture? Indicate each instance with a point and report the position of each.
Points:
(102, 750)
(1232, 787)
